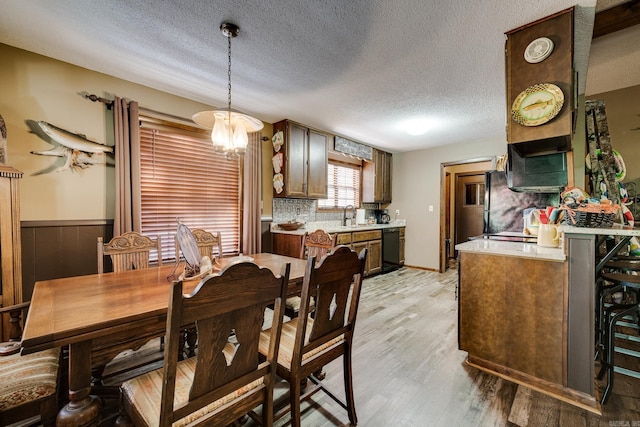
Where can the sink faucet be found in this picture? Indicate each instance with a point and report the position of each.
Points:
(344, 214)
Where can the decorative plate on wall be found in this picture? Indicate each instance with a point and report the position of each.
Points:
(537, 104)
(538, 50)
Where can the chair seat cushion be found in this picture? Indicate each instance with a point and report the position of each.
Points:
(287, 342)
(293, 304)
(145, 393)
(27, 378)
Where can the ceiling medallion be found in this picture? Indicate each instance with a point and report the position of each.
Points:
(538, 50)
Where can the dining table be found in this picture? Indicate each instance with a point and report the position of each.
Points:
(100, 315)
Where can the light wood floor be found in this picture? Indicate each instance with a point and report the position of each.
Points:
(408, 370)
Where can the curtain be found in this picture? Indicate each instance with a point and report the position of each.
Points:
(127, 151)
(252, 185)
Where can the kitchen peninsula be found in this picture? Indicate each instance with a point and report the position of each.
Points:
(358, 237)
(514, 308)
(526, 313)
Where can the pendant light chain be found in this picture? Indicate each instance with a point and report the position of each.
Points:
(229, 72)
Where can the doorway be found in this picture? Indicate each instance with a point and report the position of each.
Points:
(448, 197)
(469, 206)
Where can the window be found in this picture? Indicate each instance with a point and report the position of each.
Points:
(343, 186)
(182, 177)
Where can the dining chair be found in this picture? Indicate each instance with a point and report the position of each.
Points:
(209, 243)
(317, 244)
(228, 378)
(308, 343)
(29, 383)
(128, 251)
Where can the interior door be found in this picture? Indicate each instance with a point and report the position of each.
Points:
(469, 206)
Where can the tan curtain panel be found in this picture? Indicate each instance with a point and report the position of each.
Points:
(252, 180)
(127, 152)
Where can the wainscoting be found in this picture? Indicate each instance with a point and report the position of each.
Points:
(53, 249)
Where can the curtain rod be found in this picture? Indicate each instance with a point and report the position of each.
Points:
(109, 104)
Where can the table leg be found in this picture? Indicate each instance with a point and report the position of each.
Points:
(83, 408)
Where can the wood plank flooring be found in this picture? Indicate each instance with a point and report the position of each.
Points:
(408, 370)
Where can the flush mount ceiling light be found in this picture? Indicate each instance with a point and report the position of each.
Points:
(416, 126)
(228, 127)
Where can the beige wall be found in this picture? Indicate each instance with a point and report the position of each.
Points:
(35, 87)
(416, 185)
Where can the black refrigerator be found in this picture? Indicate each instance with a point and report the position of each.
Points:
(503, 207)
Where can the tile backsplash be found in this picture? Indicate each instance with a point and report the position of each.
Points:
(305, 210)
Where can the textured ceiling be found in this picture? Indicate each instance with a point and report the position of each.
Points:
(360, 68)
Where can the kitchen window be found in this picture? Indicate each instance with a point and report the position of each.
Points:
(343, 186)
(182, 177)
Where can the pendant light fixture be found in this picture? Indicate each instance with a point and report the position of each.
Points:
(228, 127)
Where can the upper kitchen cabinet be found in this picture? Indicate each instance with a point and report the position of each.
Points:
(300, 158)
(376, 178)
(541, 85)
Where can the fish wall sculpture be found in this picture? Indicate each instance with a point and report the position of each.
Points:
(78, 152)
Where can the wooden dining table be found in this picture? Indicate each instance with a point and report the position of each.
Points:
(101, 315)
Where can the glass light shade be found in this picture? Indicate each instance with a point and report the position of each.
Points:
(220, 133)
(240, 138)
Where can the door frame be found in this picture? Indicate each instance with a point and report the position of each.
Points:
(444, 201)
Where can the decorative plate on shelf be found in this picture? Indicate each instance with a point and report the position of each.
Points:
(277, 140)
(537, 104)
(538, 50)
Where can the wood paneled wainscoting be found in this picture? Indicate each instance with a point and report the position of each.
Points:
(54, 249)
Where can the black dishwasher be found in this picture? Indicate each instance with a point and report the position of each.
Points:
(390, 249)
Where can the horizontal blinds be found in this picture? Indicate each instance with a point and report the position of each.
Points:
(343, 186)
(182, 177)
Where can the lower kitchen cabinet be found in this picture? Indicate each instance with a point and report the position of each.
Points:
(372, 240)
(290, 244)
(287, 244)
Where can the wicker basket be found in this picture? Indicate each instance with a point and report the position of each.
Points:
(592, 215)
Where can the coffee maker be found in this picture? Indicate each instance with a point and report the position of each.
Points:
(382, 216)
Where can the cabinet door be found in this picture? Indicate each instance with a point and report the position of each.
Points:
(296, 177)
(374, 257)
(376, 178)
(357, 247)
(317, 160)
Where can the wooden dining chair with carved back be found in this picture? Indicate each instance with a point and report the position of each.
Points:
(29, 384)
(128, 251)
(317, 244)
(228, 378)
(209, 243)
(308, 343)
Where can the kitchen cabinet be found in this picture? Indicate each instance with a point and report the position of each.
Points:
(372, 240)
(376, 178)
(300, 163)
(287, 244)
(290, 244)
(541, 85)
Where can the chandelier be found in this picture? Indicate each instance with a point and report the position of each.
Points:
(228, 127)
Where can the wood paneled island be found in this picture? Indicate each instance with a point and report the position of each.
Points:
(515, 305)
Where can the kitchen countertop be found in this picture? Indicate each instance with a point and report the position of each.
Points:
(615, 230)
(515, 249)
(335, 227)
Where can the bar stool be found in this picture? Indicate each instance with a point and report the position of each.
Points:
(624, 314)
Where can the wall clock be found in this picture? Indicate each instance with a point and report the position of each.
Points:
(538, 50)
(537, 104)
